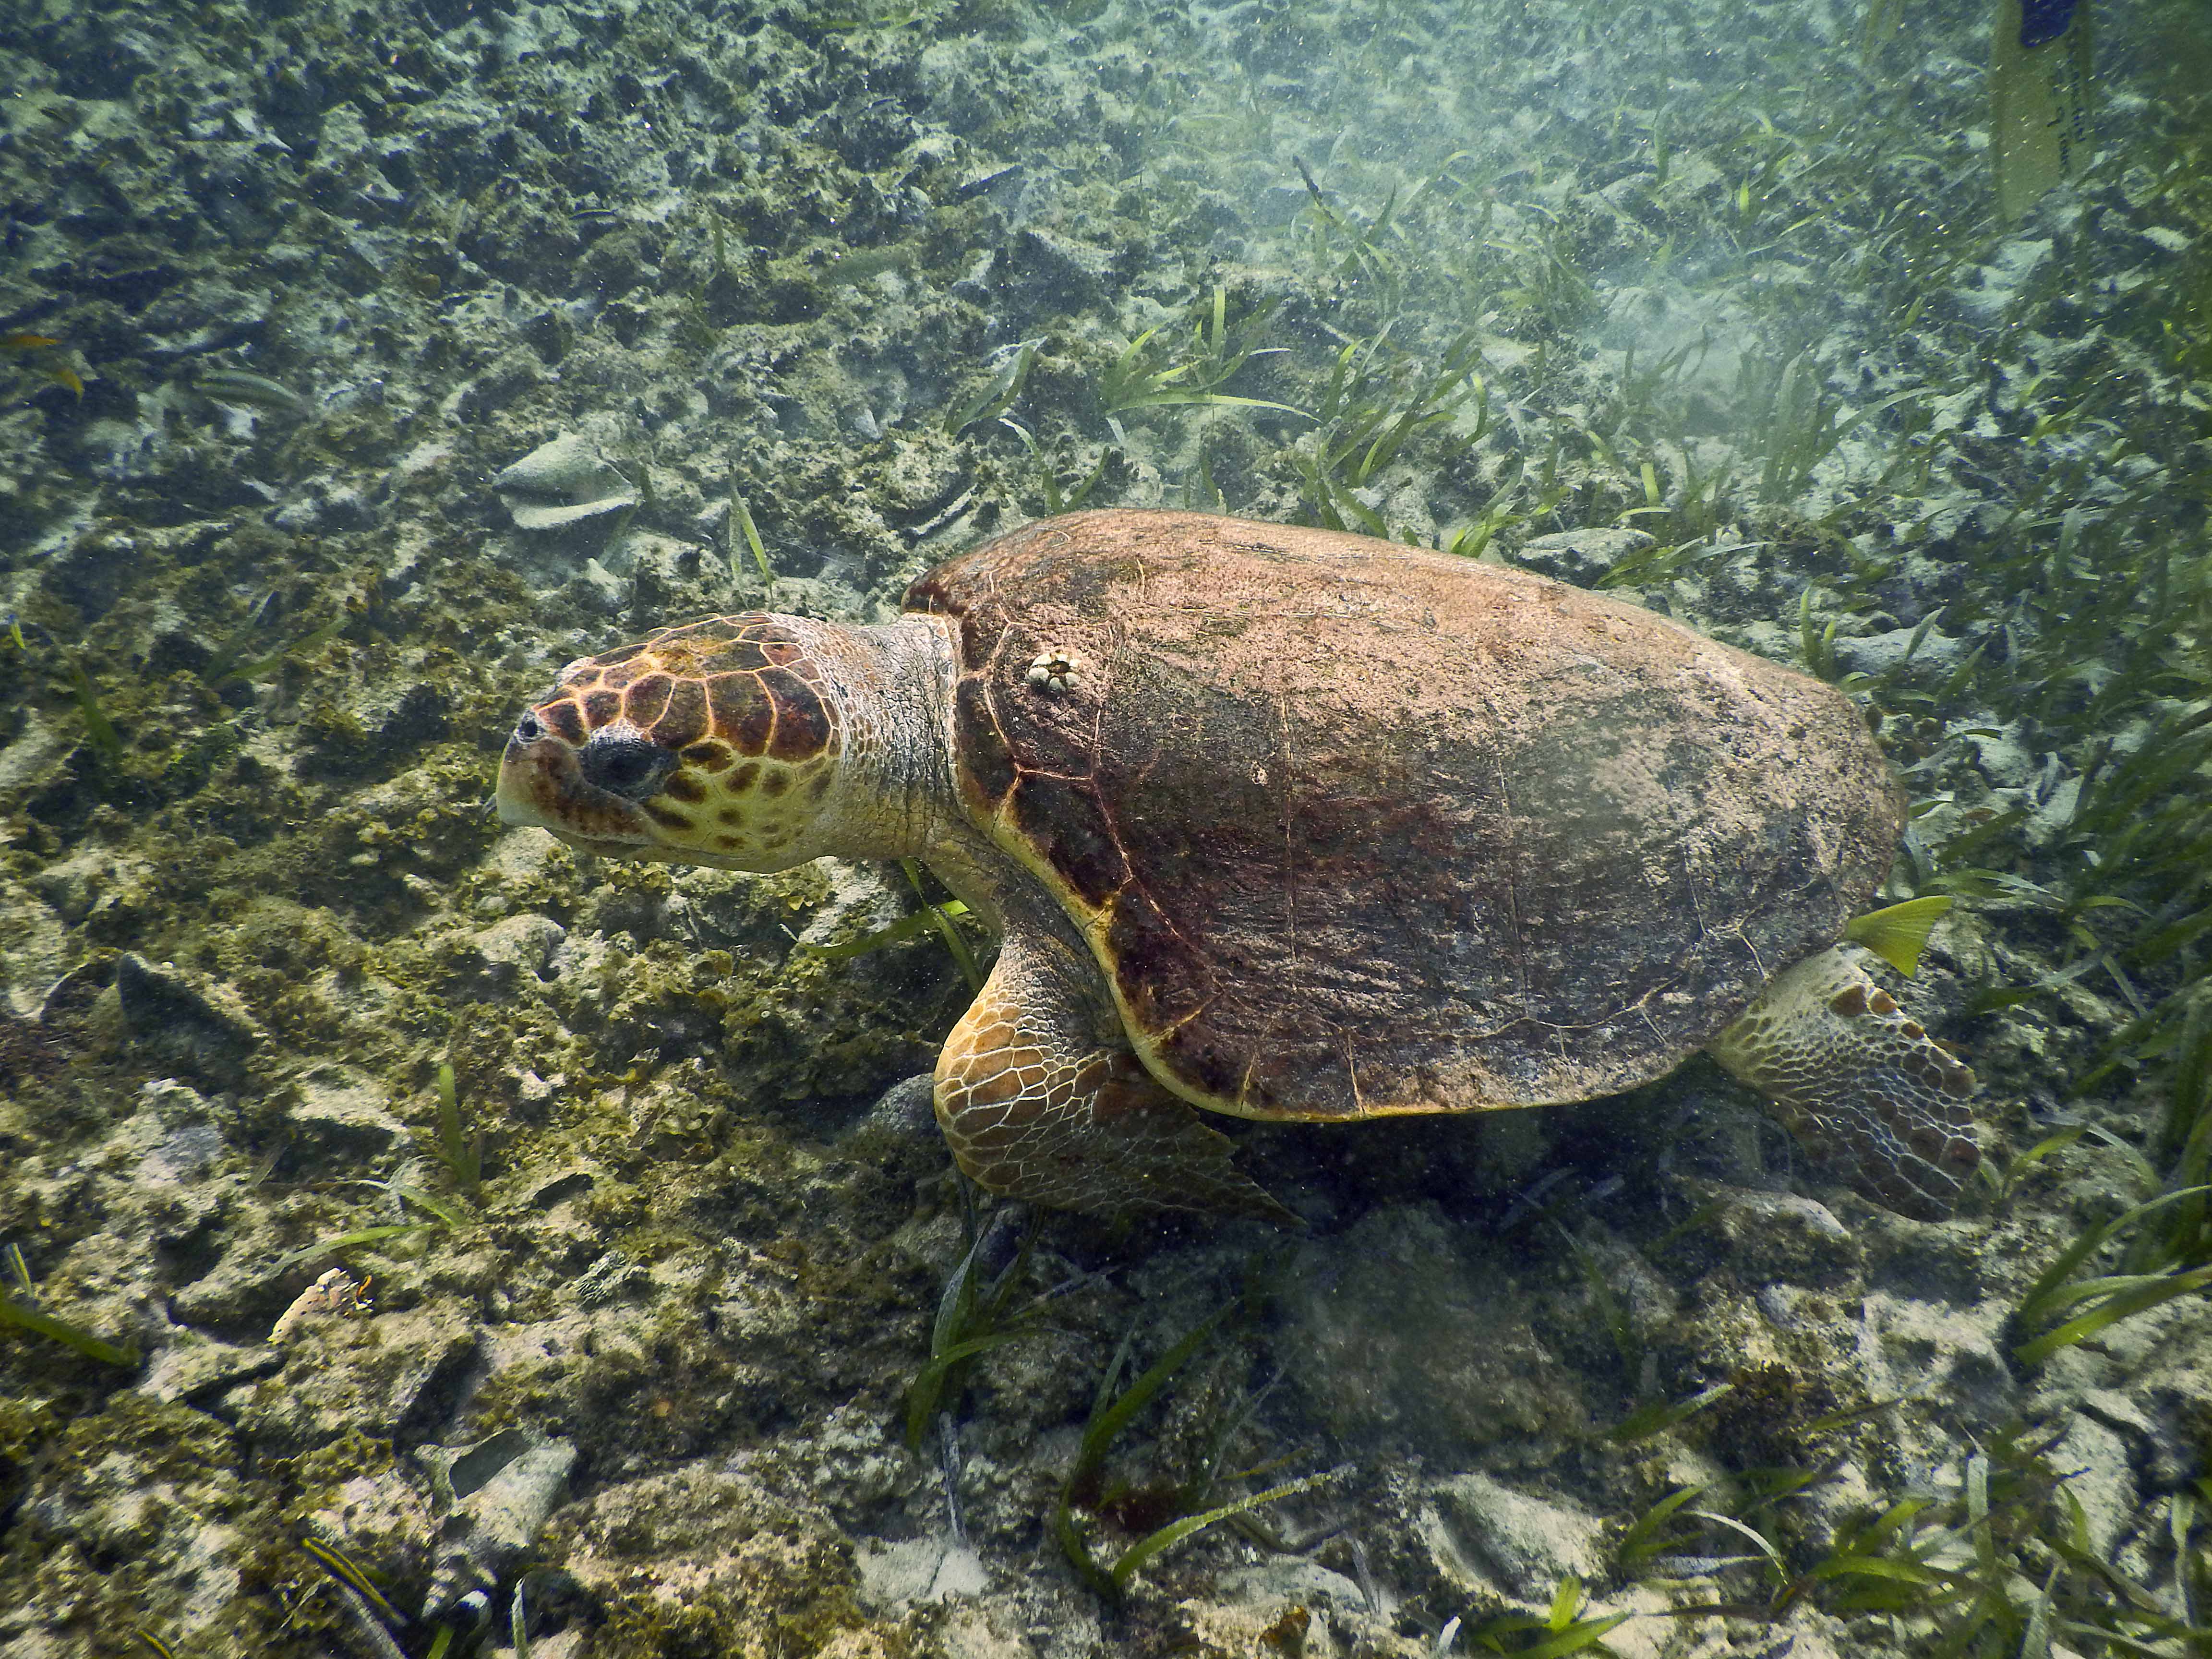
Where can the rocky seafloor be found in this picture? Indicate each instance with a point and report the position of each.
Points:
(360, 364)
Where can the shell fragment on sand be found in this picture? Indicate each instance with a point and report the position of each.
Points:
(563, 482)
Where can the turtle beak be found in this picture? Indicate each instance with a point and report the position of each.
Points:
(520, 769)
(542, 786)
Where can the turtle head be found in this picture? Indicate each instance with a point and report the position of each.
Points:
(714, 742)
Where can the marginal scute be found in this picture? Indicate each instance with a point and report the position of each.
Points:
(988, 762)
(1070, 825)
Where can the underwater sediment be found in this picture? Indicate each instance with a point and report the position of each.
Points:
(360, 365)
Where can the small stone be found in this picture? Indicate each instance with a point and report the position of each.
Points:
(2101, 1481)
(983, 1632)
(548, 333)
(1894, 652)
(1290, 1579)
(192, 1367)
(496, 1495)
(1781, 1236)
(899, 1575)
(518, 946)
(1069, 270)
(2116, 1411)
(611, 1276)
(906, 1109)
(186, 1154)
(596, 588)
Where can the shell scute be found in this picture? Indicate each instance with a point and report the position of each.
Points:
(683, 722)
(742, 714)
(566, 720)
(802, 728)
(646, 700)
(987, 764)
(709, 757)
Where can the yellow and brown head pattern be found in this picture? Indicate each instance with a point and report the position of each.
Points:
(712, 743)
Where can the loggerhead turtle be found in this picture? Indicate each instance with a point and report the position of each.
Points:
(1292, 824)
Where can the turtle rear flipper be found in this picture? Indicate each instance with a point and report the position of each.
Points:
(1845, 1071)
(1042, 1099)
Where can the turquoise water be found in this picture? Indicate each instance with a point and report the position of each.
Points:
(361, 365)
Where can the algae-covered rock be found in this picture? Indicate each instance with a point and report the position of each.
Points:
(387, 1373)
(34, 948)
(339, 1121)
(193, 1368)
(1581, 557)
(494, 1497)
(182, 1021)
(706, 1558)
(1778, 1236)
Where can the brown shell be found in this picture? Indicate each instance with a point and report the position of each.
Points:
(1355, 828)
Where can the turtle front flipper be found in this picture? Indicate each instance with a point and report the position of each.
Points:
(1042, 1099)
(1845, 1071)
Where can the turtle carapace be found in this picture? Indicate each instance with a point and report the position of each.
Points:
(1290, 824)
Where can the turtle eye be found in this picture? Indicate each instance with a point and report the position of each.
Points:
(624, 763)
(529, 729)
